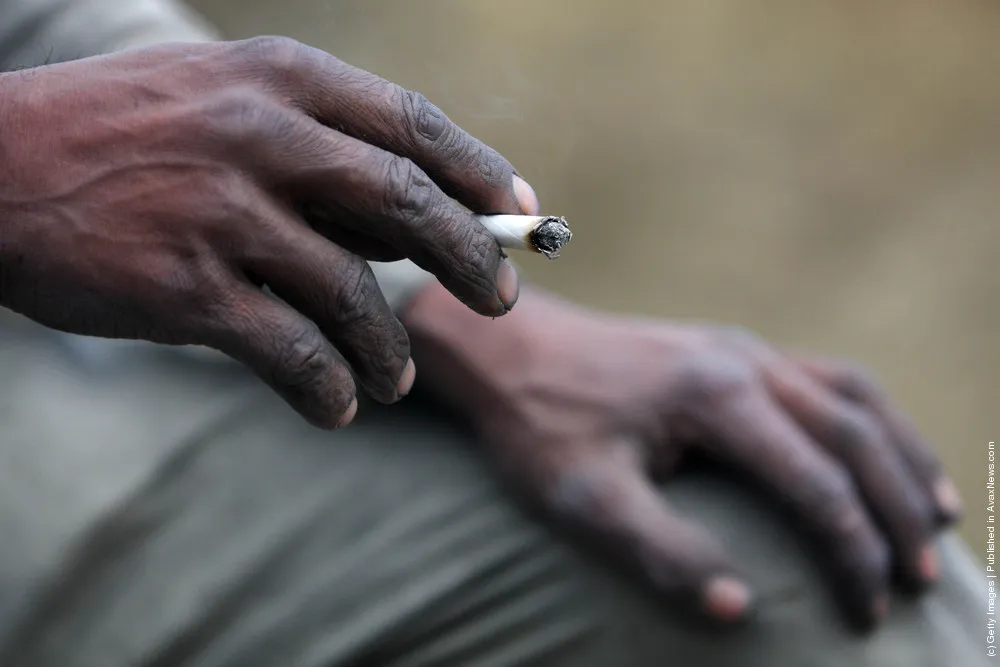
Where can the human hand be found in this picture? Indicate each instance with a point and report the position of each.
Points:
(582, 410)
(152, 194)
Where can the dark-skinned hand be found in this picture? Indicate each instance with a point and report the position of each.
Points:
(154, 193)
(583, 410)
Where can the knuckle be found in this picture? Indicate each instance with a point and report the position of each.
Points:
(270, 51)
(838, 490)
(473, 244)
(858, 383)
(420, 116)
(493, 169)
(207, 289)
(304, 358)
(853, 431)
(186, 287)
(220, 202)
(489, 166)
(275, 62)
(355, 299)
(372, 339)
(389, 347)
(241, 116)
(424, 120)
(471, 257)
(706, 388)
(409, 193)
(836, 503)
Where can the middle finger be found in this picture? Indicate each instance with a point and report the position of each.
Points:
(337, 290)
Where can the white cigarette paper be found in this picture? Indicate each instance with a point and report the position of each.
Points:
(545, 234)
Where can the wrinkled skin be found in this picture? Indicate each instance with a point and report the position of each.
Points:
(582, 409)
(151, 194)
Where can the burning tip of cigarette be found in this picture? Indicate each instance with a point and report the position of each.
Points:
(545, 234)
(550, 235)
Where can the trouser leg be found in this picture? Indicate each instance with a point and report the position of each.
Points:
(261, 541)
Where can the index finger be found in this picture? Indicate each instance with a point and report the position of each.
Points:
(383, 114)
(609, 497)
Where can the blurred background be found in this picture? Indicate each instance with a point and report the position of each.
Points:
(825, 173)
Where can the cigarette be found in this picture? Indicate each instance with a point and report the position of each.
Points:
(546, 234)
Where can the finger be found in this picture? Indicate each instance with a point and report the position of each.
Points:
(369, 192)
(899, 502)
(337, 290)
(365, 245)
(287, 351)
(749, 431)
(610, 498)
(371, 109)
(857, 386)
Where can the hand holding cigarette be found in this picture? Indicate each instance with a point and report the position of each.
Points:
(196, 174)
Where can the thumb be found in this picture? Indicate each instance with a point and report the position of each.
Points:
(612, 499)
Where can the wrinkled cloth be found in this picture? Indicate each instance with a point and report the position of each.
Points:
(162, 511)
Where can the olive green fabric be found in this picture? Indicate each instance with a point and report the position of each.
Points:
(160, 511)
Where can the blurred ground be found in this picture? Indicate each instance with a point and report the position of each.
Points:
(825, 173)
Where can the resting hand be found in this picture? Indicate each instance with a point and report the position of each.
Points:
(581, 409)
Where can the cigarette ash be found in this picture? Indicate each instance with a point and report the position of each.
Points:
(550, 235)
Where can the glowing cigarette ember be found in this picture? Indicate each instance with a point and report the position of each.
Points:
(546, 234)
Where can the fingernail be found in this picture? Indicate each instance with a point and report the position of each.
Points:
(508, 286)
(928, 564)
(948, 499)
(405, 383)
(726, 598)
(526, 197)
(880, 607)
(348, 416)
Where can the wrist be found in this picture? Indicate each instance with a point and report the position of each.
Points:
(470, 361)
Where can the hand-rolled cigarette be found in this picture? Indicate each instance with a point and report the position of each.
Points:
(546, 234)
